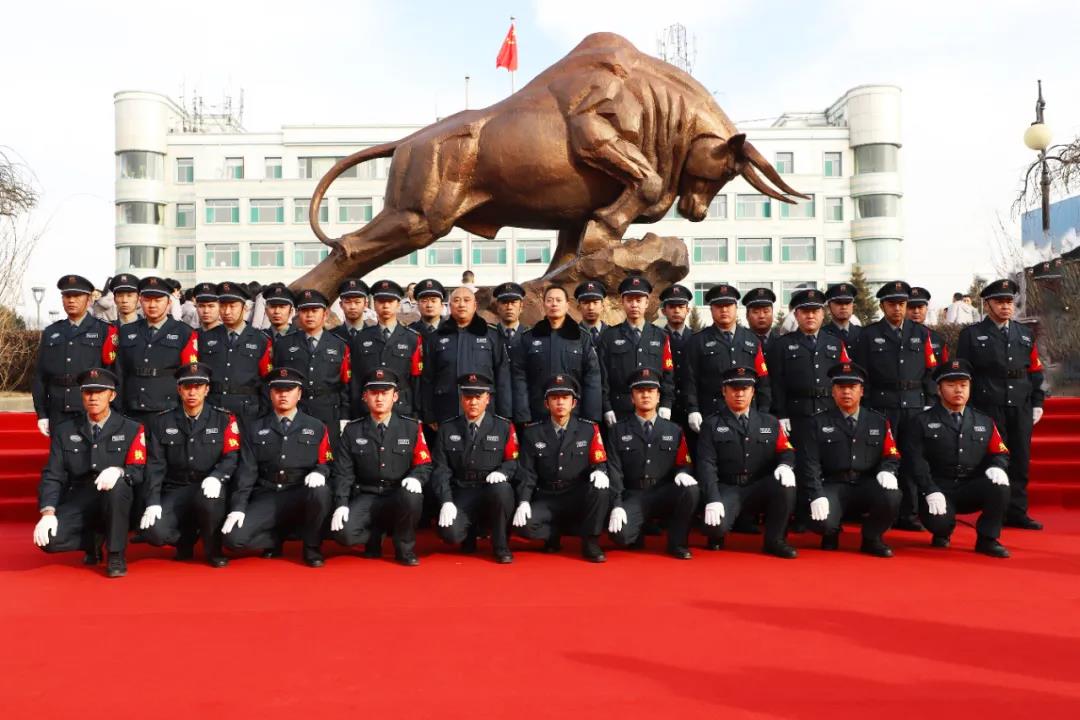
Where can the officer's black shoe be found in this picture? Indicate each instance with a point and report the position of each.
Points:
(715, 543)
(218, 561)
(553, 544)
(877, 548)
(781, 550)
(909, 524)
(184, 552)
(746, 526)
(468, 545)
(941, 541)
(991, 547)
(408, 559)
(830, 541)
(680, 553)
(313, 559)
(504, 557)
(1024, 523)
(590, 550)
(274, 552)
(117, 566)
(92, 556)
(638, 544)
(373, 548)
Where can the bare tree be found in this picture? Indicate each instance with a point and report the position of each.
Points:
(18, 197)
(1063, 168)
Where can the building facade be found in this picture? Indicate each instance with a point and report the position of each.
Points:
(202, 199)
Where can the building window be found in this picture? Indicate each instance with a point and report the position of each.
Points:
(755, 250)
(140, 213)
(354, 210)
(710, 250)
(752, 206)
(410, 259)
(533, 251)
(875, 158)
(718, 208)
(223, 255)
(834, 252)
(234, 168)
(363, 171)
(268, 211)
(273, 168)
(785, 163)
(185, 215)
(185, 259)
(222, 212)
(489, 252)
(789, 289)
(312, 167)
(700, 290)
(801, 210)
(747, 285)
(798, 249)
(267, 255)
(870, 206)
(832, 164)
(139, 165)
(444, 252)
(834, 209)
(300, 210)
(308, 254)
(185, 170)
(143, 257)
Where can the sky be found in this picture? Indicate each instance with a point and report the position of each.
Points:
(967, 71)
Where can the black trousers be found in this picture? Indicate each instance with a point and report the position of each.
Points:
(186, 514)
(272, 516)
(581, 510)
(802, 430)
(909, 500)
(671, 503)
(244, 407)
(84, 511)
(487, 506)
(969, 496)
(866, 497)
(1015, 424)
(397, 512)
(766, 495)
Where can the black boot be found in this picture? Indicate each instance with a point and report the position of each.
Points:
(781, 550)
(1024, 522)
(117, 566)
(991, 547)
(941, 541)
(590, 550)
(876, 547)
(313, 557)
(553, 544)
(716, 543)
(373, 547)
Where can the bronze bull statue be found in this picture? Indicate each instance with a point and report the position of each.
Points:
(606, 137)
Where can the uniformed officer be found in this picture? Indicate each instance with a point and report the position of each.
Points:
(280, 484)
(509, 300)
(590, 295)
(555, 345)
(899, 362)
(629, 346)
(563, 485)
(476, 459)
(650, 471)
(194, 451)
(848, 463)
(759, 314)
(391, 345)
(69, 346)
(463, 344)
(379, 474)
(430, 296)
(917, 307)
(151, 349)
(322, 358)
(675, 305)
(744, 465)
(206, 305)
(1007, 386)
(280, 305)
(841, 300)
(239, 356)
(717, 348)
(959, 461)
(353, 297)
(87, 486)
(125, 292)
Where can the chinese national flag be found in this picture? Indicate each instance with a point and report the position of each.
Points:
(508, 52)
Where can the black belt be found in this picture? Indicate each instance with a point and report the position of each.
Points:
(897, 385)
(955, 472)
(740, 479)
(217, 388)
(281, 479)
(379, 488)
(558, 486)
(64, 381)
(472, 478)
(845, 476)
(643, 483)
(153, 372)
(1015, 374)
(185, 477)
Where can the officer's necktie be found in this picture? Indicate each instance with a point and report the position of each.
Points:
(637, 335)
(153, 332)
(744, 423)
(811, 342)
(380, 430)
(559, 434)
(285, 424)
(851, 423)
(647, 427)
(728, 336)
(595, 332)
(386, 334)
(472, 434)
(352, 332)
(1005, 332)
(508, 333)
(311, 344)
(900, 333)
(94, 431)
(232, 339)
(191, 423)
(957, 419)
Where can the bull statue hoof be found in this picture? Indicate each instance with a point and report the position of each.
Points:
(663, 261)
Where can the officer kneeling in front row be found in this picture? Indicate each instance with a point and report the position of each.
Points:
(745, 466)
(650, 466)
(563, 481)
(379, 474)
(476, 458)
(847, 465)
(194, 451)
(87, 485)
(280, 487)
(958, 460)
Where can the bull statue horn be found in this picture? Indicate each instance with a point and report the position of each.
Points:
(756, 159)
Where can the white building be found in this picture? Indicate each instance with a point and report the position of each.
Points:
(201, 198)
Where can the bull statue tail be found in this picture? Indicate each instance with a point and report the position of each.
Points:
(371, 153)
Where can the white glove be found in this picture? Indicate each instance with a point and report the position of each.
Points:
(618, 519)
(997, 476)
(233, 519)
(786, 424)
(664, 413)
(45, 527)
(694, 421)
(599, 479)
(819, 509)
(495, 477)
(314, 480)
(342, 424)
(412, 485)
(211, 487)
(340, 517)
(685, 480)
(609, 418)
(522, 515)
(714, 513)
(927, 407)
(785, 475)
(1036, 416)
(150, 516)
(43, 426)
(887, 480)
(936, 502)
(107, 478)
(447, 514)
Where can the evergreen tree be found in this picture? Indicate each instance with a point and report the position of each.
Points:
(866, 306)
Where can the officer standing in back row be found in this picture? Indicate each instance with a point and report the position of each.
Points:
(917, 307)
(759, 314)
(590, 300)
(388, 344)
(675, 305)
(841, 306)
(238, 355)
(430, 296)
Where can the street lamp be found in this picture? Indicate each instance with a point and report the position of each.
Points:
(39, 295)
(1037, 137)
